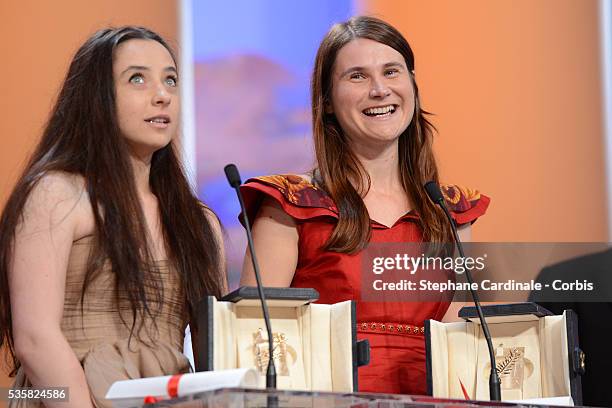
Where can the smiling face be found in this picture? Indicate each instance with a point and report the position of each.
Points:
(147, 100)
(372, 94)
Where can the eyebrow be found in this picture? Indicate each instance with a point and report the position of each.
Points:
(387, 65)
(145, 68)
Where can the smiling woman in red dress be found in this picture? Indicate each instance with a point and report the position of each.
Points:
(374, 153)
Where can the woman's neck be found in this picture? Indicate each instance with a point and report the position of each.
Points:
(141, 168)
(382, 165)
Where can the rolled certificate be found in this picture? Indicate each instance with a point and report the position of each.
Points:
(133, 392)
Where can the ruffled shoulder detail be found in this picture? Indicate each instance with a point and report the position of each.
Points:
(465, 204)
(298, 191)
(298, 196)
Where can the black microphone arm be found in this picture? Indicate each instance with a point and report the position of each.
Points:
(233, 176)
(434, 193)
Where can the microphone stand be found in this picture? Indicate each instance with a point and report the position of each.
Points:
(433, 191)
(233, 176)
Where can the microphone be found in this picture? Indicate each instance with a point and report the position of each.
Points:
(233, 177)
(434, 193)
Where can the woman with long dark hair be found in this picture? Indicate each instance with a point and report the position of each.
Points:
(373, 146)
(104, 248)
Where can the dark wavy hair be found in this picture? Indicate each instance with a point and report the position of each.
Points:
(82, 137)
(337, 165)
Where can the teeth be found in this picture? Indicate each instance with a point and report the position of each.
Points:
(380, 111)
(158, 120)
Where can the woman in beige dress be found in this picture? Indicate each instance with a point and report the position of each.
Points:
(104, 248)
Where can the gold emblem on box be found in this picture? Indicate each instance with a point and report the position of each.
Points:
(284, 355)
(512, 366)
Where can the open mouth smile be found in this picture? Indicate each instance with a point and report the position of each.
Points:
(380, 111)
(160, 121)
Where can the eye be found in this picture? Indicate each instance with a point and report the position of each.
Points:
(357, 75)
(137, 79)
(391, 72)
(171, 81)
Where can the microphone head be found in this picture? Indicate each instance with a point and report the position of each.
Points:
(434, 193)
(233, 176)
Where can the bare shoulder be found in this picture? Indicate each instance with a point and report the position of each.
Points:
(56, 193)
(60, 184)
(210, 215)
(61, 199)
(272, 210)
(214, 221)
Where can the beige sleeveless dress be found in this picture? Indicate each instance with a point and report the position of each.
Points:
(101, 341)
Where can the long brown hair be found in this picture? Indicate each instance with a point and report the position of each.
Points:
(337, 164)
(82, 137)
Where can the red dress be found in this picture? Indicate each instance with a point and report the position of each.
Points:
(395, 330)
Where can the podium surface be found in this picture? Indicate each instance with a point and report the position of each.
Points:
(252, 398)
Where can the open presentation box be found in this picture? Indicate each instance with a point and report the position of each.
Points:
(315, 345)
(536, 353)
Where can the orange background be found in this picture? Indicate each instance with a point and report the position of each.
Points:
(516, 89)
(515, 86)
(39, 39)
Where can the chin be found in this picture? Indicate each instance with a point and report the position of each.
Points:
(386, 136)
(160, 146)
(146, 149)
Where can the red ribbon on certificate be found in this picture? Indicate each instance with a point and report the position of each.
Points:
(173, 384)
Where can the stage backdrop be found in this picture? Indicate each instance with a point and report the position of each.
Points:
(515, 85)
(518, 106)
(252, 72)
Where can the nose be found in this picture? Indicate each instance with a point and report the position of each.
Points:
(161, 96)
(379, 88)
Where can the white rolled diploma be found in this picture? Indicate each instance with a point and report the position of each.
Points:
(132, 392)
